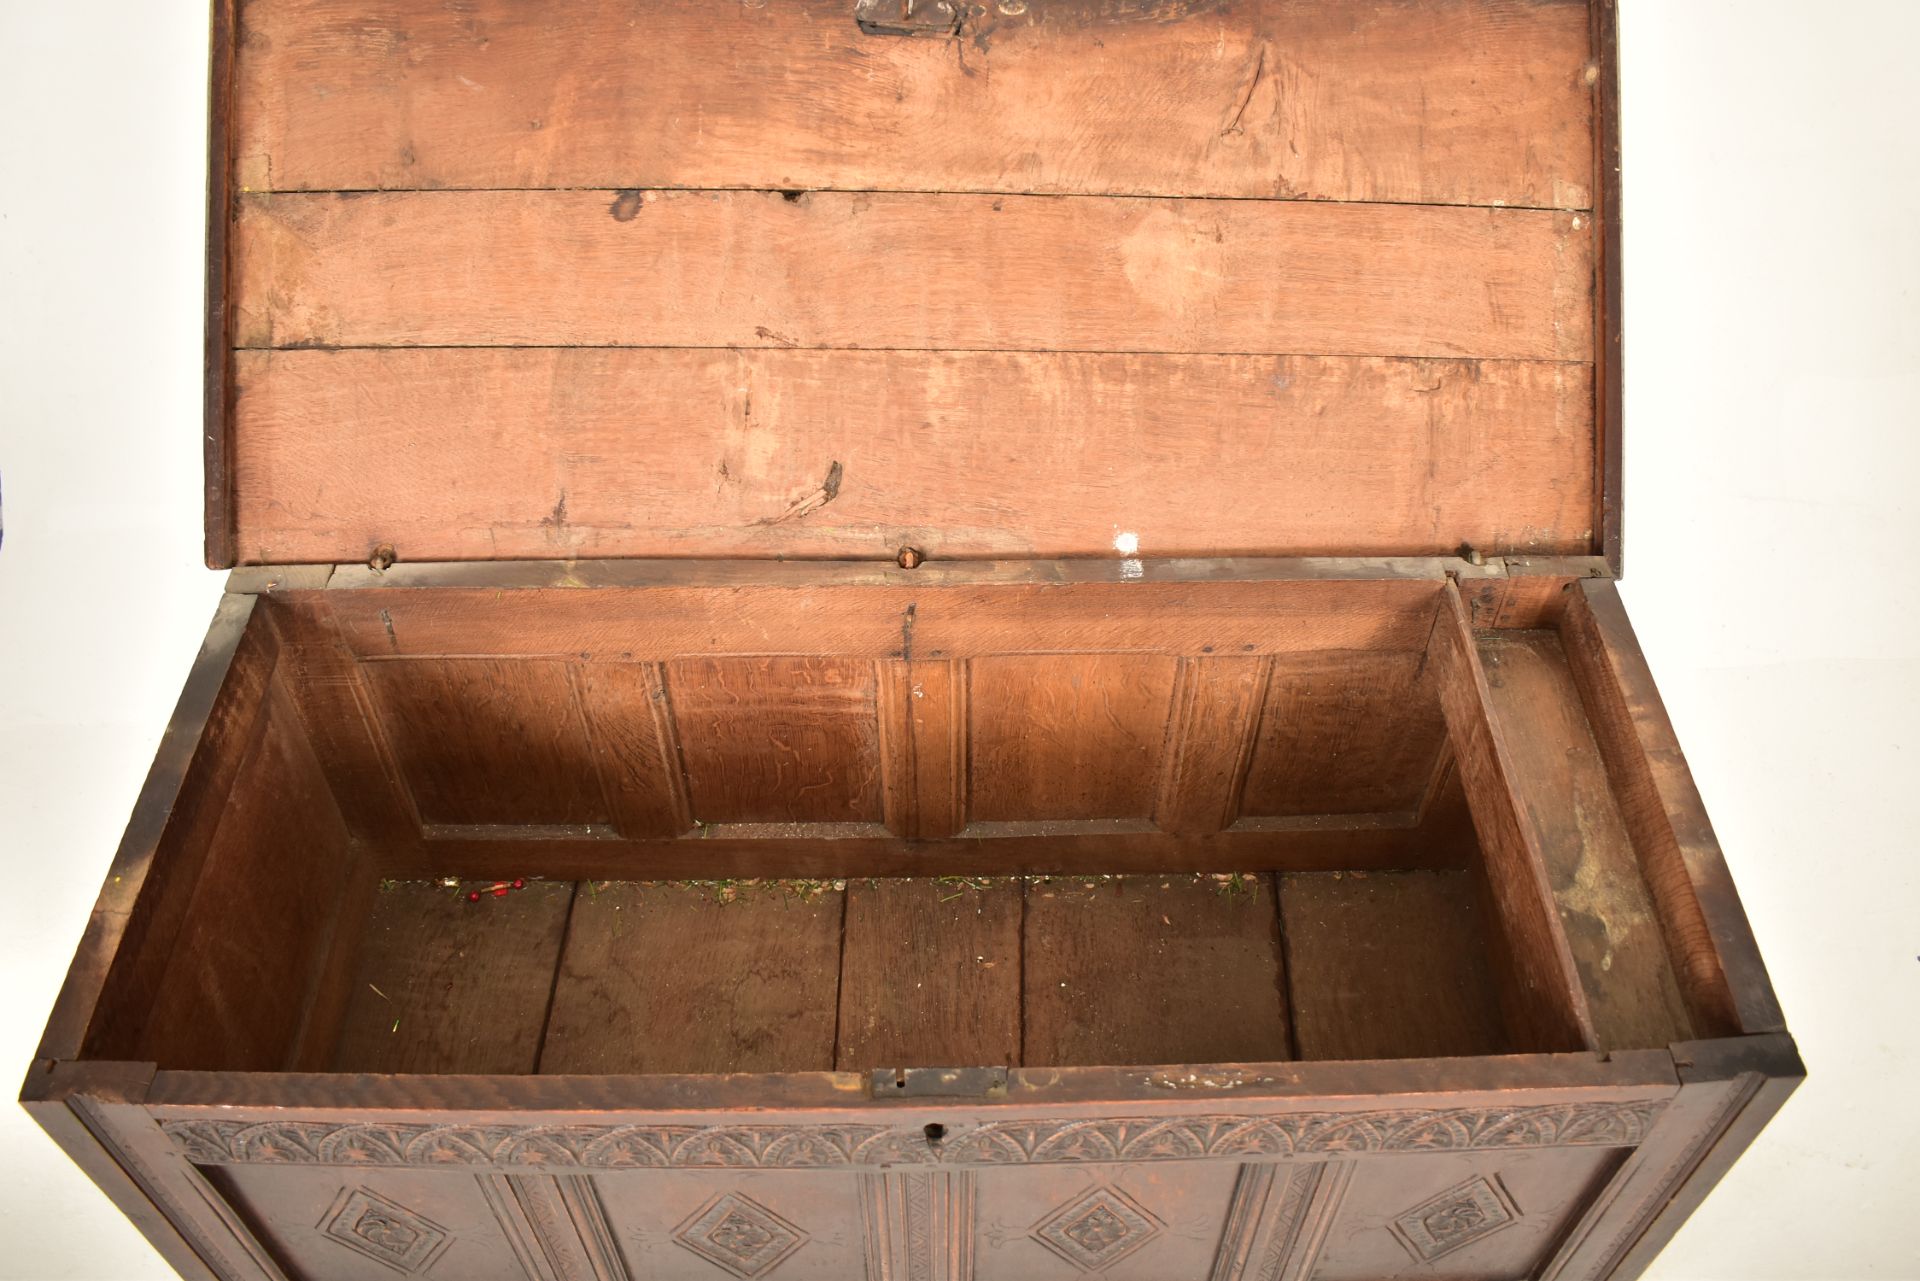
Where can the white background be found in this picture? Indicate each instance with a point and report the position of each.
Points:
(1773, 409)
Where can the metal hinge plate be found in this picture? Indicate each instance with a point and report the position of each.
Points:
(939, 18)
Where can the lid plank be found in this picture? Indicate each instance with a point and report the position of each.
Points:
(586, 452)
(942, 272)
(1447, 101)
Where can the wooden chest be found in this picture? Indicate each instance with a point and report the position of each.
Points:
(915, 640)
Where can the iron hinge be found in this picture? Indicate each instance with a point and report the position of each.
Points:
(938, 18)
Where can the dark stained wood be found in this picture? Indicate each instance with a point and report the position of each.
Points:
(715, 453)
(1544, 1003)
(103, 1122)
(1731, 1088)
(110, 987)
(678, 978)
(221, 549)
(1712, 945)
(331, 984)
(448, 985)
(244, 962)
(1012, 273)
(484, 741)
(1316, 843)
(1389, 965)
(1468, 101)
(335, 700)
(1153, 969)
(1052, 737)
(930, 976)
(1605, 909)
(1627, 1076)
(59, 1097)
(1345, 733)
(1446, 822)
(1609, 324)
(778, 740)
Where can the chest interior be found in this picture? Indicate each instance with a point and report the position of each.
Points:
(712, 320)
(603, 829)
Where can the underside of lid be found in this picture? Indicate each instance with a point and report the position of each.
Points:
(689, 278)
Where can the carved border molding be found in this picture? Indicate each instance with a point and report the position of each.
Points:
(621, 1147)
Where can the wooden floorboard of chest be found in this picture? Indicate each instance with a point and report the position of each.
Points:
(621, 977)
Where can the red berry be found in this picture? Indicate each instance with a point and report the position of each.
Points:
(474, 897)
(500, 891)
(519, 884)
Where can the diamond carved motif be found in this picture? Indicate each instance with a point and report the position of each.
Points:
(740, 1235)
(385, 1231)
(1457, 1217)
(1097, 1230)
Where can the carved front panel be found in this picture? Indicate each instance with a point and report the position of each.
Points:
(1119, 1223)
(1481, 1215)
(346, 1224)
(1291, 1197)
(726, 1226)
(1488, 1217)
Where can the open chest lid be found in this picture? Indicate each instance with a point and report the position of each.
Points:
(830, 278)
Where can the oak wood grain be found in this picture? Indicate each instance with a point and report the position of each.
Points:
(923, 730)
(753, 269)
(1153, 969)
(1541, 995)
(490, 741)
(869, 620)
(1712, 945)
(1216, 706)
(335, 699)
(1052, 737)
(591, 452)
(1345, 732)
(778, 739)
(108, 996)
(448, 985)
(1605, 907)
(242, 969)
(691, 978)
(930, 975)
(1474, 101)
(1385, 965)
(1314, 843)
(636, 746)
